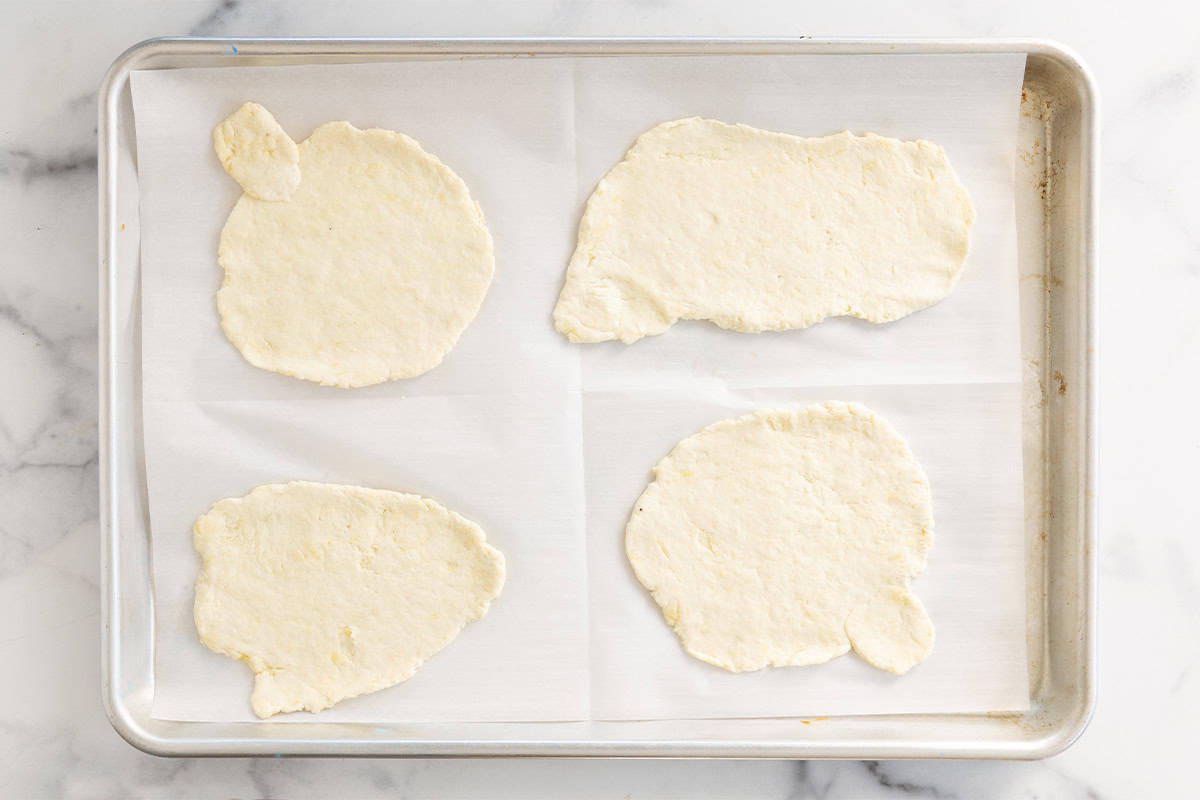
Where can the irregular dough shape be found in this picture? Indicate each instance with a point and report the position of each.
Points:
(329, 592)
(369, 272)
(760, 231)
(786, 538)
(258, 153)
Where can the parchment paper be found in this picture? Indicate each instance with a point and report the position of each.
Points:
(547, 444)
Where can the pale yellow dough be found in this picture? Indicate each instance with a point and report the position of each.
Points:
(759, 231)
(330, 592)
(786, 538)
(258, 153)
(369, 272)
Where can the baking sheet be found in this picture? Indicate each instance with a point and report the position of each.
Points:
(511, 404)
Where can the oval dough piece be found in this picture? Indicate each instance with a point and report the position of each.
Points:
(329, 592)
(760, 231)
(369, 272)
(258, 153)
(786, 538)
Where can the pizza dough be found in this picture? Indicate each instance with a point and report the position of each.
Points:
(329, 592)
(258, 153)
(368, 272)
(786, 538)
(760, 231)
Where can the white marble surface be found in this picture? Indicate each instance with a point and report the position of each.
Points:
(54, 738)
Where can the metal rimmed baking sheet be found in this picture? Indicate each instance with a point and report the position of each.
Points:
(1064, 96)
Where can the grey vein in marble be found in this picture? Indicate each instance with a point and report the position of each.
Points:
(30, 166)
(877, 771)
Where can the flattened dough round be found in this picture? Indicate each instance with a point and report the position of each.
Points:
(759, 231)
(786, 538)
(329, 592)
(368, 272)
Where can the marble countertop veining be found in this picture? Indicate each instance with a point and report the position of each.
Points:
(54, 738)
